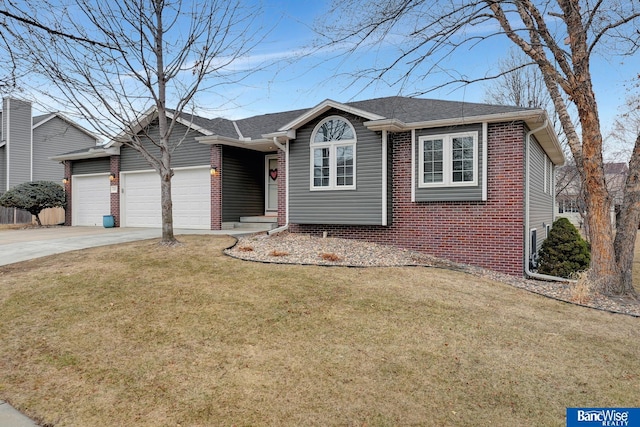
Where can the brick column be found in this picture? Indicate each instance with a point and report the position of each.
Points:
(216, 187)
(67, 190)
(114, 167)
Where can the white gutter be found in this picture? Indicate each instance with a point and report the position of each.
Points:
(485, 160)
(92, 153)
(384, 177)
(284, 148)
(527, 252)
(277, 144)
(413, 165)
(455, 121)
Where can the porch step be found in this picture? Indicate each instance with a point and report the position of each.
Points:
(257, 223)
(263, 219)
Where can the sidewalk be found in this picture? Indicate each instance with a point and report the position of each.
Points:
(9, 417)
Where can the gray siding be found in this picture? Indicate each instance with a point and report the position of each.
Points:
(90, 166)
(189, 153)
(243, 177)
(362, 206)
(456, 194)
(17, 130)
(54, 137)
(540, 201)
(3, 170)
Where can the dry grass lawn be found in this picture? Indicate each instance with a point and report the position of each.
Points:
(142, 335)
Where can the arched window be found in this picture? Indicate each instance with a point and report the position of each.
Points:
(333, 155)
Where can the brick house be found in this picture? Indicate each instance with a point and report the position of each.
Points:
(473, 183)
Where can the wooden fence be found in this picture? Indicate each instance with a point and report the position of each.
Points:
(50, 216)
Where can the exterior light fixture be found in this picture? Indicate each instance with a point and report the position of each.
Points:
(112, 177)
(65, 180)
(214, 171)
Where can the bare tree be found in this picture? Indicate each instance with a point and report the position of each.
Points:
(133, 68)
(520, 83)
(560, 37)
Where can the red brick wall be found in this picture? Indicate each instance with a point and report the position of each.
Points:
(487, 234)
(282, 188)
(216, 188)
(114, 164)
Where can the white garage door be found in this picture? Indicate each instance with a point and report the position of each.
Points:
(90, 199)
(191, 194)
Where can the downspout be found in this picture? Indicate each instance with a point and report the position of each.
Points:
(285, 149)
(527, 251)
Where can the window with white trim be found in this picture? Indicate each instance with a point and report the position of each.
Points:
(333, 155)
(448, 160)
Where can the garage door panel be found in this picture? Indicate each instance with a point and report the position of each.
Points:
(191, 195)
(90, 199)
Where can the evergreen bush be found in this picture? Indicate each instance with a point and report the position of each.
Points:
(34, 197)
(564, 252)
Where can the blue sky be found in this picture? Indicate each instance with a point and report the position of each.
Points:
(306, 82)
(295, 83)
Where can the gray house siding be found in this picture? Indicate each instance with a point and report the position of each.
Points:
(65, 138)
(3, 170)
(90, 166)
(242, 183)
(189, 153)
(541, 197)
(454, 194)
(17, 132)
(362, 206)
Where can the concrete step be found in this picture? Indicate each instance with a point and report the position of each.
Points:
(259, 219)
(258, 226)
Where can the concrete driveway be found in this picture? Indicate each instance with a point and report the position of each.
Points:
(26, 244)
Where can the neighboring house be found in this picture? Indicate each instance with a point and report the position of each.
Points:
(27, 142)
(570, 198)
(468, 182)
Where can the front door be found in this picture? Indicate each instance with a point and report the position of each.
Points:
(271, 186)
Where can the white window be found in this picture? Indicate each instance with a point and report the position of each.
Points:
(448, 160)
(333, 155)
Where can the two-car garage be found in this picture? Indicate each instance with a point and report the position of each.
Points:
(140, 198)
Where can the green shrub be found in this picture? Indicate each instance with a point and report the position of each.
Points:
(564, 252)
(34, 197)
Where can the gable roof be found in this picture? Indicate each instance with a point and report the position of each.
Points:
(40, 120)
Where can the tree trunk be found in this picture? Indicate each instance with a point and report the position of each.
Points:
(167, 208)
(627, 226)
(598, 203)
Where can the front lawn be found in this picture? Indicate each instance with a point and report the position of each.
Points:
(142, 335)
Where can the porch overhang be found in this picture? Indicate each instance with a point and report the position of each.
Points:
(91, 153)
(264, 144)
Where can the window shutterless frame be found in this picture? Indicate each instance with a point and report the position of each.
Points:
(448, 160)
(333, 155)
